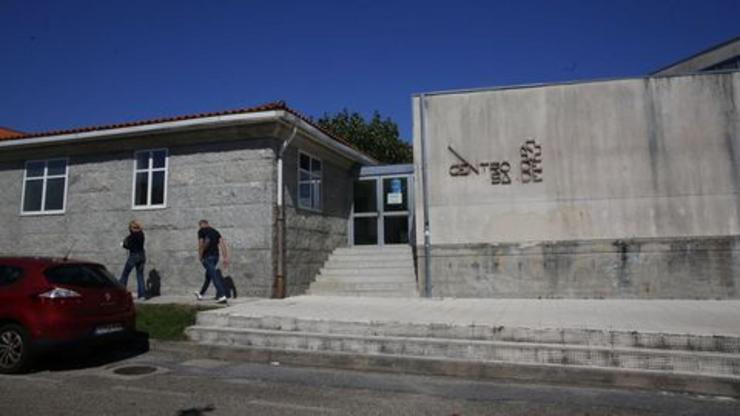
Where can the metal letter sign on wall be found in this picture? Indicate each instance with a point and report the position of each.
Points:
(531, 154)
(498, 172)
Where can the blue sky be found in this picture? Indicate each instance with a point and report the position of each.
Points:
(72, 63)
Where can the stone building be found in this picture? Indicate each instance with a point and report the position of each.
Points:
(73, 193)
(615, 188)
(626, 188)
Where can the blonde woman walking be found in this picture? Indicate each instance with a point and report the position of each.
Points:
(134, 243)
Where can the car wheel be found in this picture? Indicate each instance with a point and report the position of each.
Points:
(14, 349)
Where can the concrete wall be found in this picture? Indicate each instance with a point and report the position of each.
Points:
(625, 164)
(211, 175)
(312, 236)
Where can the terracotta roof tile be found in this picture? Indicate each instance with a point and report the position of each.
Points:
(7, 134)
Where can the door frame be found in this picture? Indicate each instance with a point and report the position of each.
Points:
(405, 171)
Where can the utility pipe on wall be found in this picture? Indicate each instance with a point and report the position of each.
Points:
(425, 196)
(280, 272)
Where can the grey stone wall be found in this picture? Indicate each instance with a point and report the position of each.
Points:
(211, 175)
(624, 162)
(701, 268)
(312, 236)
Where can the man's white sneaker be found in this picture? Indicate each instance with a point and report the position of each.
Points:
(198, 295)
(222, 299)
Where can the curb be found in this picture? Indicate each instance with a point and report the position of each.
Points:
(526, 373)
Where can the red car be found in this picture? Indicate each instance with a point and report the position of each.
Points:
(46, 302)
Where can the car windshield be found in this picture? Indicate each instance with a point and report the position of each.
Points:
(82, 275)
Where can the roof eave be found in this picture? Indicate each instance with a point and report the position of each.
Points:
(194, 124)
(325, 140)
(158, 128)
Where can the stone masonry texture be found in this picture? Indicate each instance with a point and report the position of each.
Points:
(227, 176)
(312, 236)
(227, 182)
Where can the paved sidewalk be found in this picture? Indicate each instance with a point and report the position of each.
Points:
(695, 317)
(191, 300)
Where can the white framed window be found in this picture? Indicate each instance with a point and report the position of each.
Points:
(309, 182)
(44, 187)
(150, 179)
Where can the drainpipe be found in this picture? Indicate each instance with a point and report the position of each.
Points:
(425, 196)
(280, 274)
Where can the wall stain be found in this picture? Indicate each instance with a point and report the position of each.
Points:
(624, 272)
(727, 87)
(655, 131)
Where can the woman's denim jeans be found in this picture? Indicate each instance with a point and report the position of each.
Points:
(135, 260)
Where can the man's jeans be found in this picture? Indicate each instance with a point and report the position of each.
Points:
(135, 260)
(210, 263)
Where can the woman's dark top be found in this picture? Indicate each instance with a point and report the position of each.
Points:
(136, 242)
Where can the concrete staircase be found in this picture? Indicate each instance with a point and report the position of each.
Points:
(706, 364)
(368, 271)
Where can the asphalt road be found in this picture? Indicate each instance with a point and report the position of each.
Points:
(91, 384)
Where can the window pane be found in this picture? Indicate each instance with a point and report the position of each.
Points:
(57, 167)
(54, 194)
(316, 195)
(396, 229)
(80, 275)
(158, 158)
(157, 188)
(32, 199)
(305, 162)
(142, 160)
(366, 230)
(304, 195)
(304, 176)
(9, 275)
(315, 166)
(395, 194)
(141, 191)
(35, 169)
(365, 196)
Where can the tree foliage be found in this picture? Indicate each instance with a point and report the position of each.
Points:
(377, 137)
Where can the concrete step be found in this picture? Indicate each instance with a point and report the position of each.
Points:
(363, 286)
(564, 336)
(398, 279)
(372, 251)
(370, 258)
(650, 359)
(380, 263)
(367, 271)
(372, 293)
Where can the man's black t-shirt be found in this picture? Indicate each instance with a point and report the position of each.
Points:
(210, 238)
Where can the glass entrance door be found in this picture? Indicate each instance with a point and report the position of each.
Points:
(382, 210)
(395, 215)
(365, 212)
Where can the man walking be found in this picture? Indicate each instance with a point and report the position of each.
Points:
(209, 243)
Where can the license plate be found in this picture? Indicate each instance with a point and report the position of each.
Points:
(108, 329)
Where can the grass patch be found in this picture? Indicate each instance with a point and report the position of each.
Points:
(166, 321)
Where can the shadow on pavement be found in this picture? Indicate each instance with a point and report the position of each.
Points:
(196, 411)
(81, 356)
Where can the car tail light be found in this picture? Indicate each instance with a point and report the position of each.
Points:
(59, 293)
